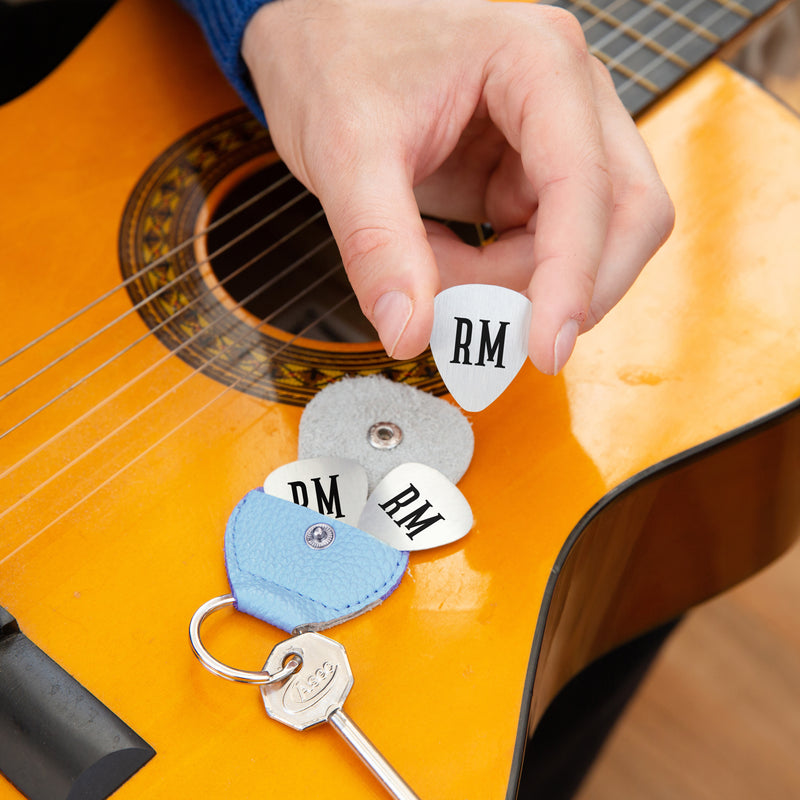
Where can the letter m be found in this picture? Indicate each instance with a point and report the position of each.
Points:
(327, 504)
(414, 521)
(493, 350)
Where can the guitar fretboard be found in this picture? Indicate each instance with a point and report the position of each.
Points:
(650, 45)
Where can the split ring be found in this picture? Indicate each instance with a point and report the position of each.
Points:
(260, 677)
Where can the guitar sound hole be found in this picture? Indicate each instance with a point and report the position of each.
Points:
(277, 259)
(275, 283)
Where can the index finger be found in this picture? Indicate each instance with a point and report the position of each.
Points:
(547, 112)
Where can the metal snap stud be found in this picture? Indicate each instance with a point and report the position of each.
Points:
(385, 435)
(320, 535)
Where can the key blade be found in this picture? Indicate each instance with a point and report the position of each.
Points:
(370, 756)
(316, 692)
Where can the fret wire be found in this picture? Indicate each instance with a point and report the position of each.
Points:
(736, 8)
(685, 39)
(659, 28)
(624, 27)
(590, 23)
(678, 15)
(670, 17)
(626, 71)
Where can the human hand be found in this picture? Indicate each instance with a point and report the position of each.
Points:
(467, 110)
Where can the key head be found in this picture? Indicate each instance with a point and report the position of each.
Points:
(316, 690)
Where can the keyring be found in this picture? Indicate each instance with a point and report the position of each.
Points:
(261, 677)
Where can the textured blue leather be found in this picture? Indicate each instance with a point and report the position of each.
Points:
(275, 576)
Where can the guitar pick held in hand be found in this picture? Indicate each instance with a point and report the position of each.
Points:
(479, 341)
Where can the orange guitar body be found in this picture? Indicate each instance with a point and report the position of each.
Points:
(660, 468)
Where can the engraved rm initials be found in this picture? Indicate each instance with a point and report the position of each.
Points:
(326, 503)
(413, 520)
(488, 349)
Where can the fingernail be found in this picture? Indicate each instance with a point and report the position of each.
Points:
(565, 344)
(391, 314)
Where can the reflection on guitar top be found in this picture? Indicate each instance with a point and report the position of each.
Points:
(658, 468)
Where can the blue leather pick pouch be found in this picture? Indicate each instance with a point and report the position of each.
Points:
(297, 569)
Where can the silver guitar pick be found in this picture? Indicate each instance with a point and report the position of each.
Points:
(479, 341)
(415, 507)
(336, 487)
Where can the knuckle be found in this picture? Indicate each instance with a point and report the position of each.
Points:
(665, 214)
(558, 35)
(656, 209)
(602, 72)
(359, 246)
(565, 22)
(568, 30)
(600, 182)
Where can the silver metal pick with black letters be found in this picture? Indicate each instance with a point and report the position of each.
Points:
(479, 341)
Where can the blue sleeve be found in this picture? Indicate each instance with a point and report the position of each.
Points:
(223, 23)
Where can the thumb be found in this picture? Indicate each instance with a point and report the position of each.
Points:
(384, 247)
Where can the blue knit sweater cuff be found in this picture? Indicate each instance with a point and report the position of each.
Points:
(223, 23)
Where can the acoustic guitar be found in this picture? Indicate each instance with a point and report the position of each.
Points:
(147, 383)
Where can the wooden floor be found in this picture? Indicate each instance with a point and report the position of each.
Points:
(719, 715)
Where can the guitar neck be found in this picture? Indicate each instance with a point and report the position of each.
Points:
(651, 45)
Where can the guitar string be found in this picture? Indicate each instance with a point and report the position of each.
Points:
(618, 31)
(627, 27)
(669, 17)
(197, 371)
(196, 413)
(106, 295)
(146, 335)
(673, 17)
(596, 19)
(132, 309)
(691, 4)
(686, 39)
(226, 316)
(168, 353)
(619, 27)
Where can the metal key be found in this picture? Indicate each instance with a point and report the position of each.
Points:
(316, 692)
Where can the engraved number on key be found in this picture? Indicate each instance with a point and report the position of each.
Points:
(316, 692)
